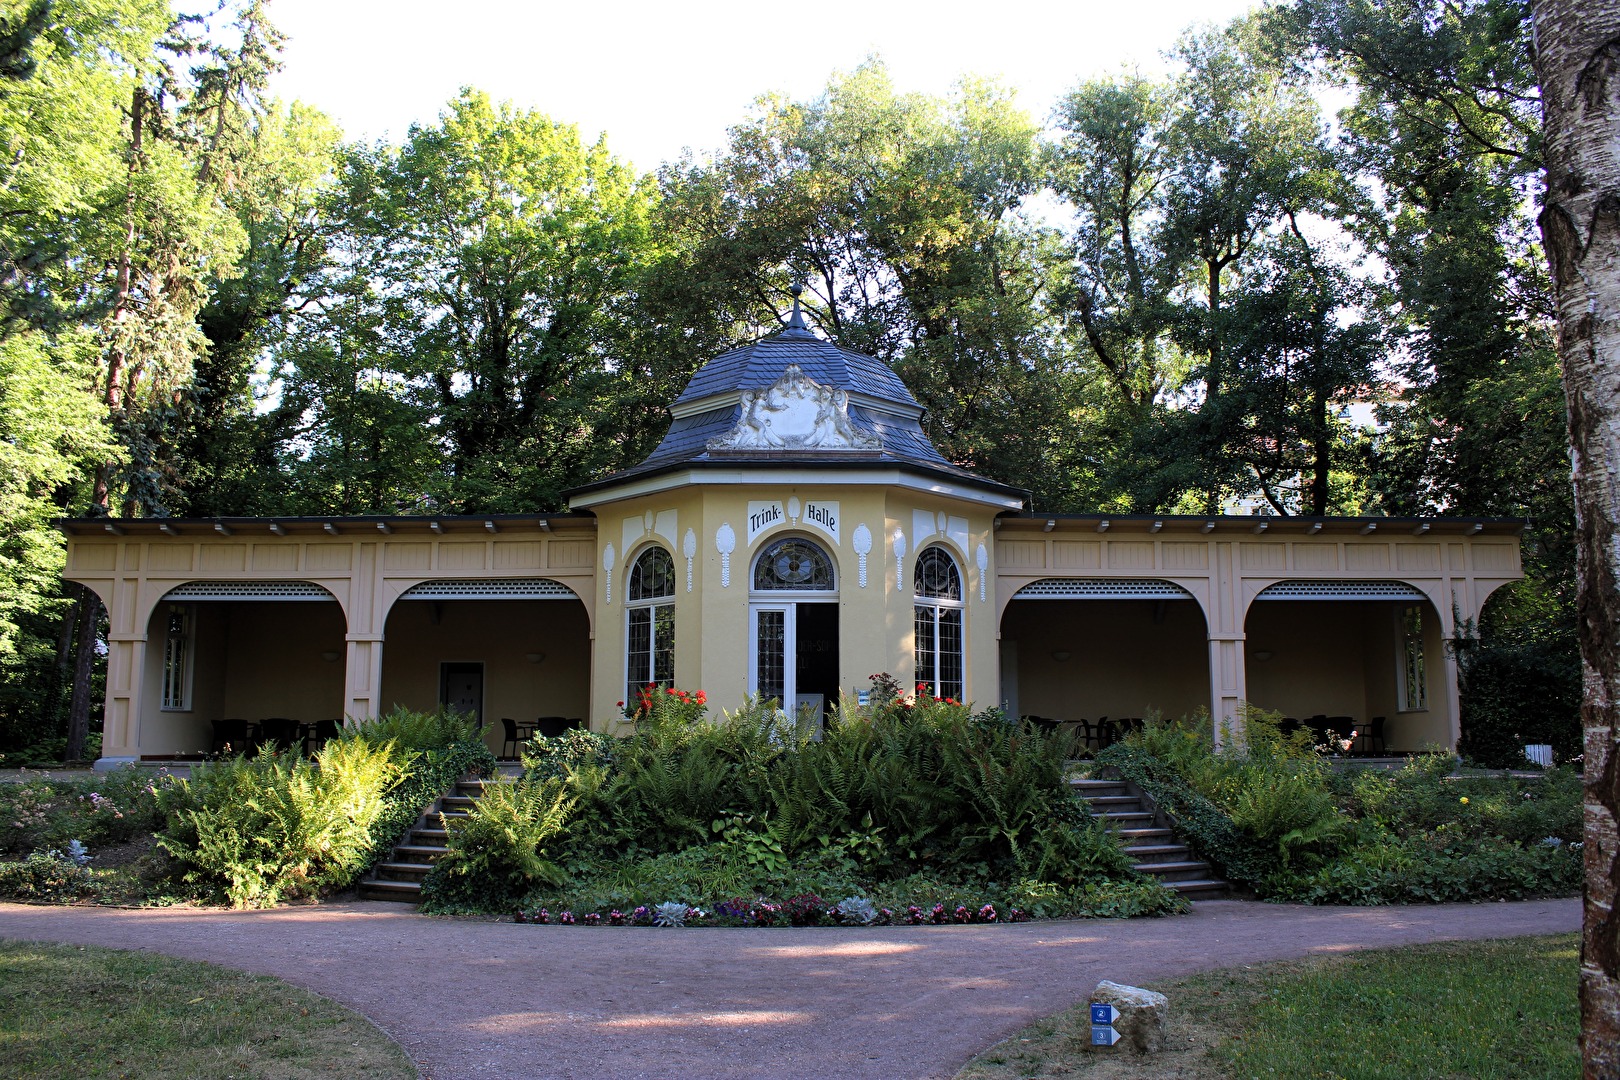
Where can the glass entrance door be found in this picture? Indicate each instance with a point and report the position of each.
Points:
(793, 654)
(770, 672)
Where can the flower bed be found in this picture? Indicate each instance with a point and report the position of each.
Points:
(805, 910)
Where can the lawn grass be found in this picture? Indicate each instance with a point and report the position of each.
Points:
(81, 1011)
(1484, 1010)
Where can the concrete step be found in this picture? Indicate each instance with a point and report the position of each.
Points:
(418, 852)
(430, 837)
(461, 803)
(382, 889)
(1168, 872)
(1123, 817)
(405, 871)
(1157, 853)
(476, 788)
(1088, 787)
(1115, 802)
(1201, 889)
(1131, 816)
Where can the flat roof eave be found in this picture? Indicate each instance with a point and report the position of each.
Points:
(333, 525)
(1257, 525)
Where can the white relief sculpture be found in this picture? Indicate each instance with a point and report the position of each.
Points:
(795, 413)
(899, 559)
(862, 542)
(725, 542)
(647, 521)
(793, 510)
(982, 557)
(940, 522)
(689, 549)
(607, 565)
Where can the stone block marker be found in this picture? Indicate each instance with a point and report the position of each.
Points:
(1140, 1020)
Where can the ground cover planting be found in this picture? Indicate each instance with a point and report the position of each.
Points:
(1279, 819)
(248, 832)
(73, 1010)
(1487, 1010)
(909, 809)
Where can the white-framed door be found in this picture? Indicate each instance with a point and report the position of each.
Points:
(772, 651)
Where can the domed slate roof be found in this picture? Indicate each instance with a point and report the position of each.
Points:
(717, 418)
(761, 363)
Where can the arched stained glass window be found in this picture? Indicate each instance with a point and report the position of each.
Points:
(793, 565)
(938, 622)
(650, 622)
(937, 577)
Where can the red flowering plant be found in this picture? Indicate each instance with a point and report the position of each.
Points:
(655, 706)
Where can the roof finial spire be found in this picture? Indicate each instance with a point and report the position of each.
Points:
(796, 320)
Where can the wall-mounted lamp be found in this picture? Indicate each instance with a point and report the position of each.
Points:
(1061, 655)
(331, 656)
(534, 657)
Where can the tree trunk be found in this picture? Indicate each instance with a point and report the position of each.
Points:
(1578, 66)
(84, 666)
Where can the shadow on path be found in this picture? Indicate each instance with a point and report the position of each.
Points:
(494, 1000)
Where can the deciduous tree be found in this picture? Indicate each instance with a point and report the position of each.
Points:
(1578, 62)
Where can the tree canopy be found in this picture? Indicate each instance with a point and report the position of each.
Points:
(1198, 292)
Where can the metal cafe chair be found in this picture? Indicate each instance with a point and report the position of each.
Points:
(280, 731)
(233, 733)
(317, 735)
(551, 726)
(516, 734)
(1371, 736)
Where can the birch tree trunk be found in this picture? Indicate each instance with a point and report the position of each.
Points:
(1578, 65)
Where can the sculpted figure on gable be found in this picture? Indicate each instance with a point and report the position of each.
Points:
(795, 413)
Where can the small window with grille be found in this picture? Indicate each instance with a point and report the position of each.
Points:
(177, 649)
(1412, 672)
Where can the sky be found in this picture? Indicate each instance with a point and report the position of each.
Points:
(660, 77)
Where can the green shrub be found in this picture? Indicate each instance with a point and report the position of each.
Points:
(1274, 816)
(1395, 871)
(700, 809)
(498, 851)
(1071, 848)
(545, 757)
(1516, 694)
(47, 876)
(410, 730)
(255, 832)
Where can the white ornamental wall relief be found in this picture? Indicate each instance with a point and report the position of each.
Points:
(862, 542)
(689, 549)
(795, 413)
(725, 542)
(982, 557)
(607, 567)
(899, 559)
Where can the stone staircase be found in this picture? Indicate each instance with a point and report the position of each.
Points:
(399, 877)
(1148, 838)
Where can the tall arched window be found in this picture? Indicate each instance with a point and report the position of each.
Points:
(650, 622)
(938, 619)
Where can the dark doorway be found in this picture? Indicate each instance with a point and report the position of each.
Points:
(817, 661)
(461, 687)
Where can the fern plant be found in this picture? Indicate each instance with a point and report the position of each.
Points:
(499, 850)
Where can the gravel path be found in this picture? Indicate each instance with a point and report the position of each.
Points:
(489, 1000)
